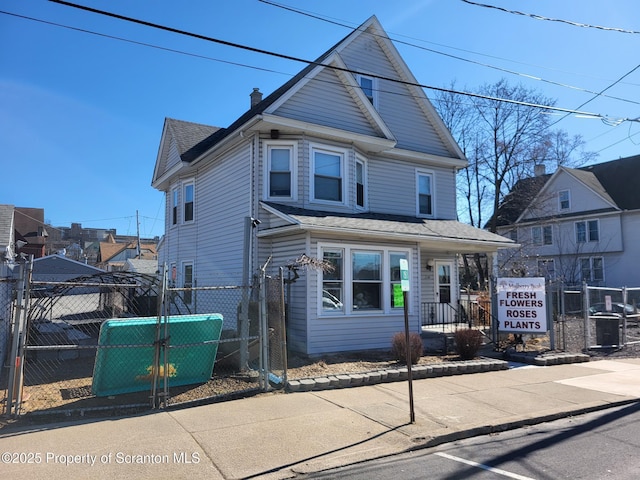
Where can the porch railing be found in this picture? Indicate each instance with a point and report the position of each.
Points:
(466, 312)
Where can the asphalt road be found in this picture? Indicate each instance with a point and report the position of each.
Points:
(600, 445)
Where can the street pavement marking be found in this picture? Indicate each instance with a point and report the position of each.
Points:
(484, 467)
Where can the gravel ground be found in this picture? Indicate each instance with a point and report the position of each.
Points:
(73, 393)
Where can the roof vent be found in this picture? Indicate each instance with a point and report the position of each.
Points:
(256, 97)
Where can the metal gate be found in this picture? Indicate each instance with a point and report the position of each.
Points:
(71, 345)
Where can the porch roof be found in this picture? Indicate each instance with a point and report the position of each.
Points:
(437, 235)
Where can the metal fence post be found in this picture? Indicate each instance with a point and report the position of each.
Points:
(264, 330)
(16, 378)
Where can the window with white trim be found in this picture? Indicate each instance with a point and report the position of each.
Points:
(592, 269)
(369, 88)
(587, 231)
(368, 281)
(542, 235)
(281, 170)
(564, 200)
(361, 184)
(188, 202)
(424, 188)
(547, 268)
(328, 174)
(187, 283)
(175, 204)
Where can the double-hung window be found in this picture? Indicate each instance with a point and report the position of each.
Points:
(333, 281)
(368, 86)
(187, 283)
(328, 174)
(542, 235)
(424, 187)
(175, 199)
(564, 200)
(587, 231)
(592, 269)
(361, 187)
(188, 192)
(281, 166)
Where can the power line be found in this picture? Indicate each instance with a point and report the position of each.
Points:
(144, 44)
(455, 57)
(540, 17)
(316, 63)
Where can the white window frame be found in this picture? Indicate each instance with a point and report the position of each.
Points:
(175, 206)
(293, 168)
(426, 173)
(188, 183)
(541, 229)
(347, 280)
(586, 225)
(342, 153)
(365, 204)
(567, 200)
(544, 270)
(187, 296)
(373, 98)
(592, 269)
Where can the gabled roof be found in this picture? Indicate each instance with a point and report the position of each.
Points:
(63, 266)
(615, 181)
(109, 250)
(446, 235)
(371, 25)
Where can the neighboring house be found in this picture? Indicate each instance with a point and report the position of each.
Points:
(113, 256)
(577, 225)
(30, 232)
(58, 268)
(347, 162)
(146, 267)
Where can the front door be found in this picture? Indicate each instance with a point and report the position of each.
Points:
(444, 291)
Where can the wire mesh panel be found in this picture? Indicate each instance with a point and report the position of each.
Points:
(64, 324)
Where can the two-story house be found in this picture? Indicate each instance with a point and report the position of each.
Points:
(347, 162)
(576, 225)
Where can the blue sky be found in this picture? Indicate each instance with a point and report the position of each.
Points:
(81, 114)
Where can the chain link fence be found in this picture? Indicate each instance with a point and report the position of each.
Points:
(119, 340)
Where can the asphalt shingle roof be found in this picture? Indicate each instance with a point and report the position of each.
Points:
(392, 225)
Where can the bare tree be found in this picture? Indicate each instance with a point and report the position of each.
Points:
(503, 142)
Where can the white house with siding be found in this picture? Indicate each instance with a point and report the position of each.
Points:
(347, 162)
(576, 225)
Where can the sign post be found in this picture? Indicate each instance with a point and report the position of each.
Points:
(404, 281)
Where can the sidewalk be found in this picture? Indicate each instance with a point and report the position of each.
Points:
(279, 435)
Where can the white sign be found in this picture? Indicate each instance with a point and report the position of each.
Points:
(404, 274)
(521, 305)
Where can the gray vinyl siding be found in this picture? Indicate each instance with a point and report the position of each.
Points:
(392, 188)
(283, 251)
(325, 101)
(223, 202)
(397, 107)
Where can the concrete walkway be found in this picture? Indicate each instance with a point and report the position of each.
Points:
(281, 435)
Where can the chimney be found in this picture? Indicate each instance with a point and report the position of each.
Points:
(539, 169)
(256, 97)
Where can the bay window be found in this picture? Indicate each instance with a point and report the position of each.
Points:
(328, 174)
(358, 284)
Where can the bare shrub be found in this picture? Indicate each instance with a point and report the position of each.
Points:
(399, 350)
(468, 342)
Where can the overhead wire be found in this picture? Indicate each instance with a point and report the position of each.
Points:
(455, 57)
(316, 63)
(559, 20)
